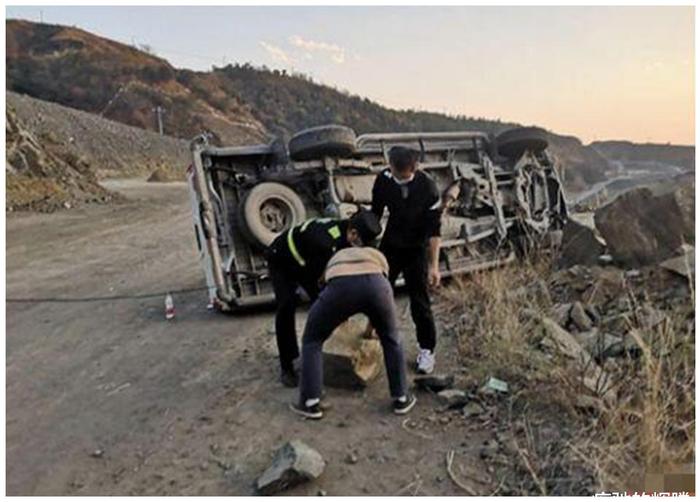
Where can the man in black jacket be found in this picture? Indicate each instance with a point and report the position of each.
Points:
(297, 258)
(411, 241)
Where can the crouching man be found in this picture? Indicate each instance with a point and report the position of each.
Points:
(356, 283)
(297, 258)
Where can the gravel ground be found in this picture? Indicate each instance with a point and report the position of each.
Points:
(109, 398)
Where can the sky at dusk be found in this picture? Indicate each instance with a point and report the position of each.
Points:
(594, 72)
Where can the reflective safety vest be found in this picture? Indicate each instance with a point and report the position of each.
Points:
(320, 237)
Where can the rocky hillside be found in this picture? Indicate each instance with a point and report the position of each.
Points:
(78, 69)
(42, 175)
(112, 148)
(641, 155)
(55, 154)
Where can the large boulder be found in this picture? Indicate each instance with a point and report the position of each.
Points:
(650, 224)
(580, 245)
(294, 463)
(350, 359)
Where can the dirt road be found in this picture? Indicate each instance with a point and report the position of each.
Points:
(109, 398)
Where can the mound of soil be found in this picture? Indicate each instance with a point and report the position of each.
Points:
(42, 176)
(165, 175)
(114, 150)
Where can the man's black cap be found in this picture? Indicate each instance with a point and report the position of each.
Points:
(367, 225)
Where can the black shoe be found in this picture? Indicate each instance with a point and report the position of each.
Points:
(403, 407)
(313, 412)
(289, 378)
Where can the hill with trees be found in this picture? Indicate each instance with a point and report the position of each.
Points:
(237, 103)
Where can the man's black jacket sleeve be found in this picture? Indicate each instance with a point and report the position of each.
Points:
(378, 199)
(434, 212)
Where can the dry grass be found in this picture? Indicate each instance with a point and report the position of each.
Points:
(493, 310)
(649, 427)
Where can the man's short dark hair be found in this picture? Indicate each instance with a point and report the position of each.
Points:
(367, 225)
(402, 158)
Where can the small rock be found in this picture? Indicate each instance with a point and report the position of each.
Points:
(605, 259)
(435, 383)
(488, 449)
(97, 453)
(452, 398)
(322, 493)
(588, 403)
(294, 463)
(593, 313)
(561, 313)
(600, 345)
(351, 458)
(67, 205)
(632, 274)
(683, 265)
(580, 318)
(649, 317)
(472, 409)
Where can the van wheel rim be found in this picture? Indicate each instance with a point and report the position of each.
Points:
(275, 215)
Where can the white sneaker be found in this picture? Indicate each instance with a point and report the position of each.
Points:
(425, 361)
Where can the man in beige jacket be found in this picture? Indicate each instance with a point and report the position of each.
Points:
(356, 282)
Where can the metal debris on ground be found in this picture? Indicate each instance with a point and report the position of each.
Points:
(494, 385)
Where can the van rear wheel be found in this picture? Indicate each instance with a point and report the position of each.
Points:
(514, 142)
(268, 210)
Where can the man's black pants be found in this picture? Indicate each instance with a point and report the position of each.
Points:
(413, 262)
(345, 296)
(286, 278)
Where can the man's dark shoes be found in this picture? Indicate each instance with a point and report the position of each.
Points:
(314, 412)
(289, 378)
(403, 406)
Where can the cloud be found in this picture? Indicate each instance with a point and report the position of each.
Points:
(276, 53)
(335, 52)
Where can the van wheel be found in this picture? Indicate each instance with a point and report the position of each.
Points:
(322, 141)
(269, 209)
(514, 142)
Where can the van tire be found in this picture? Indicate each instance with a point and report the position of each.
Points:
(514, 142)
(268, 210)
(322, 141)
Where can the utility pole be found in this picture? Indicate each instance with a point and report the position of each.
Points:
(41, 16)
(159, 110)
